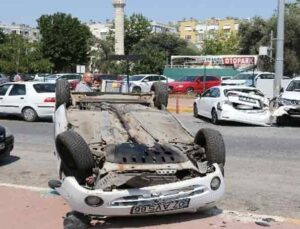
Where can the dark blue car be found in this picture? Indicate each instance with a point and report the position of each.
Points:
(6, 142)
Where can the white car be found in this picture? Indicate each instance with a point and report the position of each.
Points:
(31, 100)
(143, 83)
(233, 103)
(289, 103)
(68, 76)
(121, 155)
(248, 78)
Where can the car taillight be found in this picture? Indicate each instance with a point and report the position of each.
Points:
(49, 100)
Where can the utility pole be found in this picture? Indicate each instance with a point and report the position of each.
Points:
(271, 44)
(279, 48)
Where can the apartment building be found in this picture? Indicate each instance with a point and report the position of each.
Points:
(28, 32)
(187, 30)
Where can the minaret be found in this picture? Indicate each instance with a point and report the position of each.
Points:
(119, 26)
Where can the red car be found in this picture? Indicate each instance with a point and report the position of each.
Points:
(190, 84)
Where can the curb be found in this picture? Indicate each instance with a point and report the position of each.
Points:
(181, 109)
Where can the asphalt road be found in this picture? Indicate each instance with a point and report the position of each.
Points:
(262, 169)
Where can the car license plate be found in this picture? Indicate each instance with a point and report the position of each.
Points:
(160, 207)
(2, 145)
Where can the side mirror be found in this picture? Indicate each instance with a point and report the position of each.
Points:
(198, 81)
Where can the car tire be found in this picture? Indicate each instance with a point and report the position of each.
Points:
(76, 220)
(213, 144)
(195, 111)
(137, 90)
(29, 114)
(62, 92)
(75, 154)
(161, 95)
(282, 120)
(214, 117)
(189, 90)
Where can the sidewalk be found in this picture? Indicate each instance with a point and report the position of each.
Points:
(185, 103)
(41, 209)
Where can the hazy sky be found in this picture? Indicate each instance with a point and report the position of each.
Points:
(27, 11)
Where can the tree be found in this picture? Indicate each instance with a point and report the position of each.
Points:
(65, 41)
(2, 36)
(157, 49)
(19, 55)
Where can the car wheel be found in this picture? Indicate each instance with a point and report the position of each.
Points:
(189, 90)
(76, 220)
(282, 120)
(29, 114)
(62, 92)
(214, 117)
(76, 156)
(213, 144)
(195, 110)
(136, 90)
(161, 95)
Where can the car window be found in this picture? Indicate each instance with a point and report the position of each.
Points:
(207, 93)
(162, 78)
(211, 78)
(215, 92)
(294, 86)
(44, 88)
(266, 76)
(148, 78)
(3, 89)
(154, 78)
(18, 89)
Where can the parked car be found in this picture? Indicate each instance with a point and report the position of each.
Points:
(6, 142)
(248, 78)
(289, 103)
(233, 103)
(193, 84)
(72, 78)
(144, 162)
(3, 78)
(144, 82)
(31, 100)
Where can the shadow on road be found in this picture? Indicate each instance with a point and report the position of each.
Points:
(292, 123)
(147, 221)
(19, 118)
(9, 160)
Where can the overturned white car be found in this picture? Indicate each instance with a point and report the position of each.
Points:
(233, 103)
(124, 155)
(287, 105)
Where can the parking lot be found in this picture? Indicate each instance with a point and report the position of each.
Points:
(261, 172)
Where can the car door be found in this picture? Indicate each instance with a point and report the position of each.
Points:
(3, 91)
(198, 84)
(202, 104)
(146, 84)
(210, 100)
(15, 99)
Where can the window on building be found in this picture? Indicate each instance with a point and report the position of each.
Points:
(188, 37)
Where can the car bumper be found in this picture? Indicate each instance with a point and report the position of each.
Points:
(120, 202)
(7, 146)
(253, 117)
(45, 111)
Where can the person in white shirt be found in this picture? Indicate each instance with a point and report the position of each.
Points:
(85, 85)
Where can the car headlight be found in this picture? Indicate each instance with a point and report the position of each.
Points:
(8, 132)
(93, 201)
(284, 102)
(215, 183)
